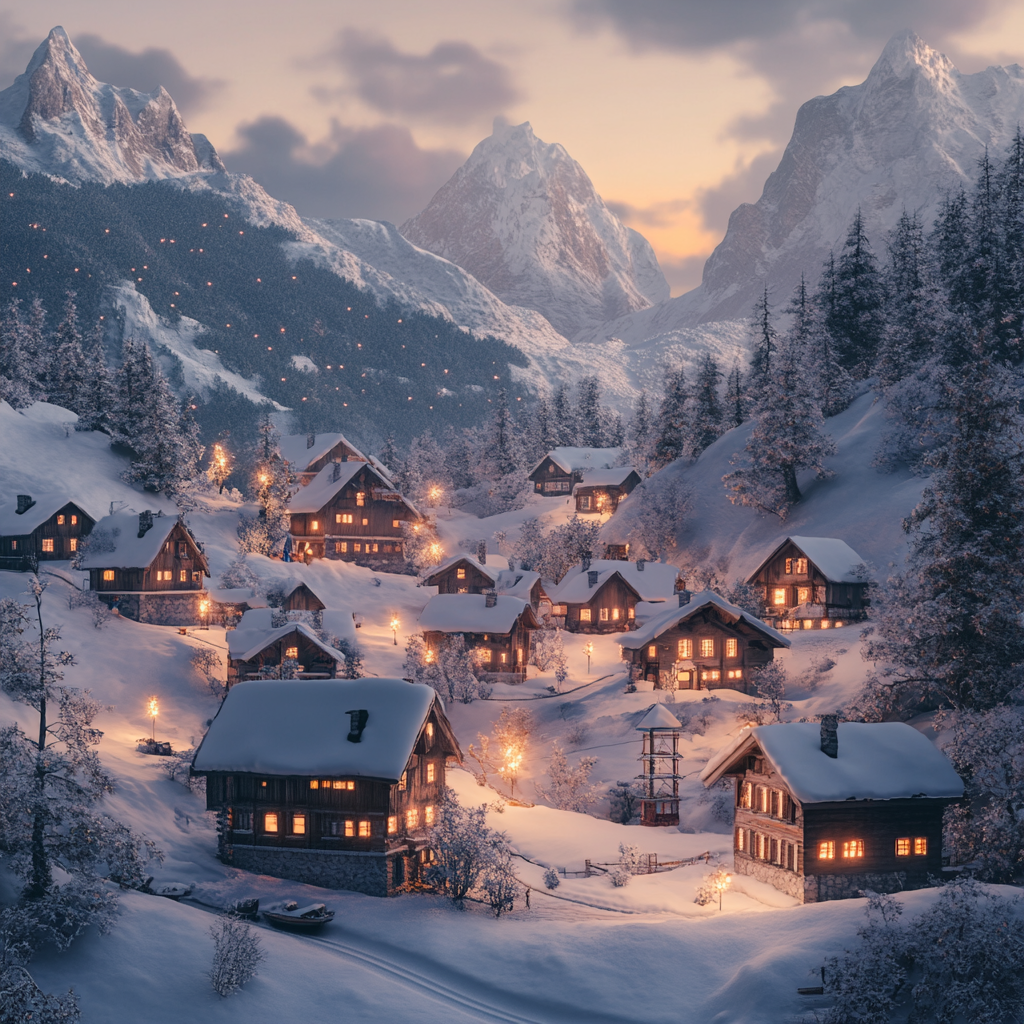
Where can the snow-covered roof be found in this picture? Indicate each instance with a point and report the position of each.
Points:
(236, 595)
(489, 571)
(293, 584)
(655, 580)
(339, 622)
(673, 615)
(833, 558)
(646, 610)
(468, 613)
(12, 524)
(254, 633)
(576, 589)
(295, 452)
(300, 727)
(658, 717)
(877, 761)
(571, 460)
(115, 542)
(516, 582)
(604, 477)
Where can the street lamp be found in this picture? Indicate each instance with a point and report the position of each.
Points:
(394, 630)
(153, 709)
(204, 610)
(588, 650)
(513, 759)
(722, 882)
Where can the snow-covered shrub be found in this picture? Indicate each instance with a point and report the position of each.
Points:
(620, 877)
(570, 788)
(629, 858)
(239, 575)
(498, 881)
(176, 768)
(207, 664)
(236, 955)
(769, 683)
(697, 724)
(722, 800)
(547, 649)
(551, 879)
(450, 670)
(21, 999)
(459, 840)
(89, 600)
(577, 733)
(625, 801)
(709, 889)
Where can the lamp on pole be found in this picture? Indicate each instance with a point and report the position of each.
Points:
(394, 630)
(204, 610)
(722, 882)
(588, 650)
(153, 709)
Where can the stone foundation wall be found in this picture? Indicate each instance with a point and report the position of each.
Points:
(179, 608)
(370, 873)
(785, 881)
(819, 888)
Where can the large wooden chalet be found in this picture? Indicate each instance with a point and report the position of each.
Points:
(350, 511)
(496, 627)
(825, 811)
(601, 490)
(307, 454)
(813, 583)
(463, 574)
(41, 530)
(257, 649)
(562, 468)
(150, 567)
(704, 642)
(331, 782)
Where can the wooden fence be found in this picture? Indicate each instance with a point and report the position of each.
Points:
(649, 864)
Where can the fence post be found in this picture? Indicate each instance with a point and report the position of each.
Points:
(586, 870)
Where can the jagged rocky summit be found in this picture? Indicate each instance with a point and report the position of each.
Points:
(525, 220)
(58, 119)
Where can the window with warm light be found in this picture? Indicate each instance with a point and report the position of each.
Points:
(343, 784)
(357, 547)
(183, 576)
(803, 595)
(734, 673)
(604, 615)
(392, 825)
(74, 543)
(429, 734)
(762, 799)
(707, 648)
(366, 522)
(903, 847)
(779, 597)
(14, 545)
(315, 525)
(430, 771)
(343, 547)
(616, 614)
(364, 830)
(652, 651)
(460, 574)
(298, 824)
(584, 615)
(853, 848)
(741, 837)
(504, 658)
(291, 652)
(630, 613)
(108, 575)
(360, 498)
(74, 520)
(484, 654)
(350, 828)
(747, 795)
(685, 649)
(827, 850)
(403, 782)
(47, 543)
(314, 783)
(428, 815)
(801, 567)
(60, 520)
(519, 655)
(789, 566)
(412, 818)
(920, 846)
(270, 822)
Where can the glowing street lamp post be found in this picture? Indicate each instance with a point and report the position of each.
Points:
(394, 630)
(513, 759)
(204, 610)
(588, 650)
(721, 884)
(153, 709)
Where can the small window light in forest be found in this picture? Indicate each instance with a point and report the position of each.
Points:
(827, 850)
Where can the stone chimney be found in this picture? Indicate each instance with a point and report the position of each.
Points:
(481, 552)
(592, 578)
(310, 440)
(357, 723)
(684, 598)
(490, 598)
(336, 473)
(640, 563)
(830, 735)
(145, 523)
(25, 502)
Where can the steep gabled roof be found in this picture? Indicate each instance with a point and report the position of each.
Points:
(12, 524)
(516, 582)
(576, 589)
(255, 634)
(324, 487)
(658, 717)
(705, 598)
(115, 542)
(449, 563)
(468, 613)
(299, 727)
(833, 558)
(877, 761)
(655, 580)
(571, 460)
(294, 450)
(615, 477)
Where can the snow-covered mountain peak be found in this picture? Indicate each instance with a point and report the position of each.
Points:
(907, 53)
(524, 218)
(58, 119)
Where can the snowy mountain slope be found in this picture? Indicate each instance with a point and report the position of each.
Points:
(523, 217)
(58, 119)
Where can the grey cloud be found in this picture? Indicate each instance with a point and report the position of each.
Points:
(379, 172)
(16, 49)
(684, 273)
(657, 215)
(454, 83)
(146, 71)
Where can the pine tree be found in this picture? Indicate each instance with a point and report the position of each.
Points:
(388, 454)
(500, 454)
(765, 342)
(950, 629)
(671, 428)
(16, 387)
(789, 436)
(735, 397)
(638, 436)
(97, 393)
(1011, 192)
(855, 317)
(66, 375)
(833, 383)
(951, 243)
(271, 488)
(565, 418)
(707, 424)
(589, 414)
(36, 346)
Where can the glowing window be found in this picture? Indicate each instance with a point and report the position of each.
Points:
(853, 848)
(361, 498)
(14, 545)
(484, 653)
(430, 771)
(741, 839)
(74, 520)
(47, 543)
(74, 543)
(316, 525)
(732, 647)
(343, 784)
(183, 576)
(789, 566)
(392, 825)
(762, 799)
(366, 522)
(428, 815)
(368, 546)
(270, 821)
(807, 624)
(779, 597)
(357, 547)
(504, 658)
(801, 567)
(396, 524)
(803, 595)
(430, 732)
(631, 613)
(314, 783)
(902, 847)
(364, 830)
(460, 574)
(412, 818)
(298, 824)
(519, 654)
(685, 648)
(343, 546)
(604, 615)
(291, 652)
(707, 648)
(920, 846)
(60, 520)
(350, 828)
(827, 850)
(108, 575)
(734, 673)
(584, 615)
(403, 782)
(616, 614)
(713, 676)
(652, 651)
(747, 795)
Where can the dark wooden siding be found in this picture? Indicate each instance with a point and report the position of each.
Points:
(178, 555)
(312, 659)
(302, 599)
(614, 594)
(448, 582)
(507, 644)
(837, 597)
(586, 497)
(65, 535)
(550, 479)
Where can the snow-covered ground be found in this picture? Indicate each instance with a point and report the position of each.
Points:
(587, 952)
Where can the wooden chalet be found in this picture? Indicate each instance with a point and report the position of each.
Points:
(813, 583)
(299, 597)
(334, 782)
(257, 649)
(41, 530)
(562, 468)
(307, 454)
(150, 567)
(825, 811)
(496, 627)
(350, 511)
(601, 490)
(704, 642)
(465, 575)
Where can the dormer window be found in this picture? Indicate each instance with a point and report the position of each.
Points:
(801, 567)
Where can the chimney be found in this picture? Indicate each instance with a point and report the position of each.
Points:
(336, 473)
(25, 502)
(310, 440)
(490, 598)
(640, 563)
(481, 552)
(684, 598)
(145, 523)
(357, 723)
(585, 564)
(830, 735)
(592, 575)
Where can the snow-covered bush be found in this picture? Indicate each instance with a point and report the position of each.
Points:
(450, 670)
(21, 999)
(176, 768)
(498, 881)
(89, 600)
(577, 733)
(548, 649)
(459, 841)
(236, 955)
(624, 798)
(551, 879)
(239, 574)
(207, 664)
(570, 788)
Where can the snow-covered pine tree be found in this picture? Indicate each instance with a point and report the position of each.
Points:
(671, 429)
(589, 413)
(97, 393)
(388, 454)
(657, 516)
(735, 398)
(810, 332)
(789, 436)
(569, 788)
(1011, 217)
(427, 478)
(458, 456)
(949, 629)
(66, 371)
(500, 455)
(855, 317)
(639, 435)
(271, 489)
(565, 417)
(17, 385)
(707, 426)
(950, 241)
(764, 342)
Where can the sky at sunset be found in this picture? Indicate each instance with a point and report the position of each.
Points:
(677, 110)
